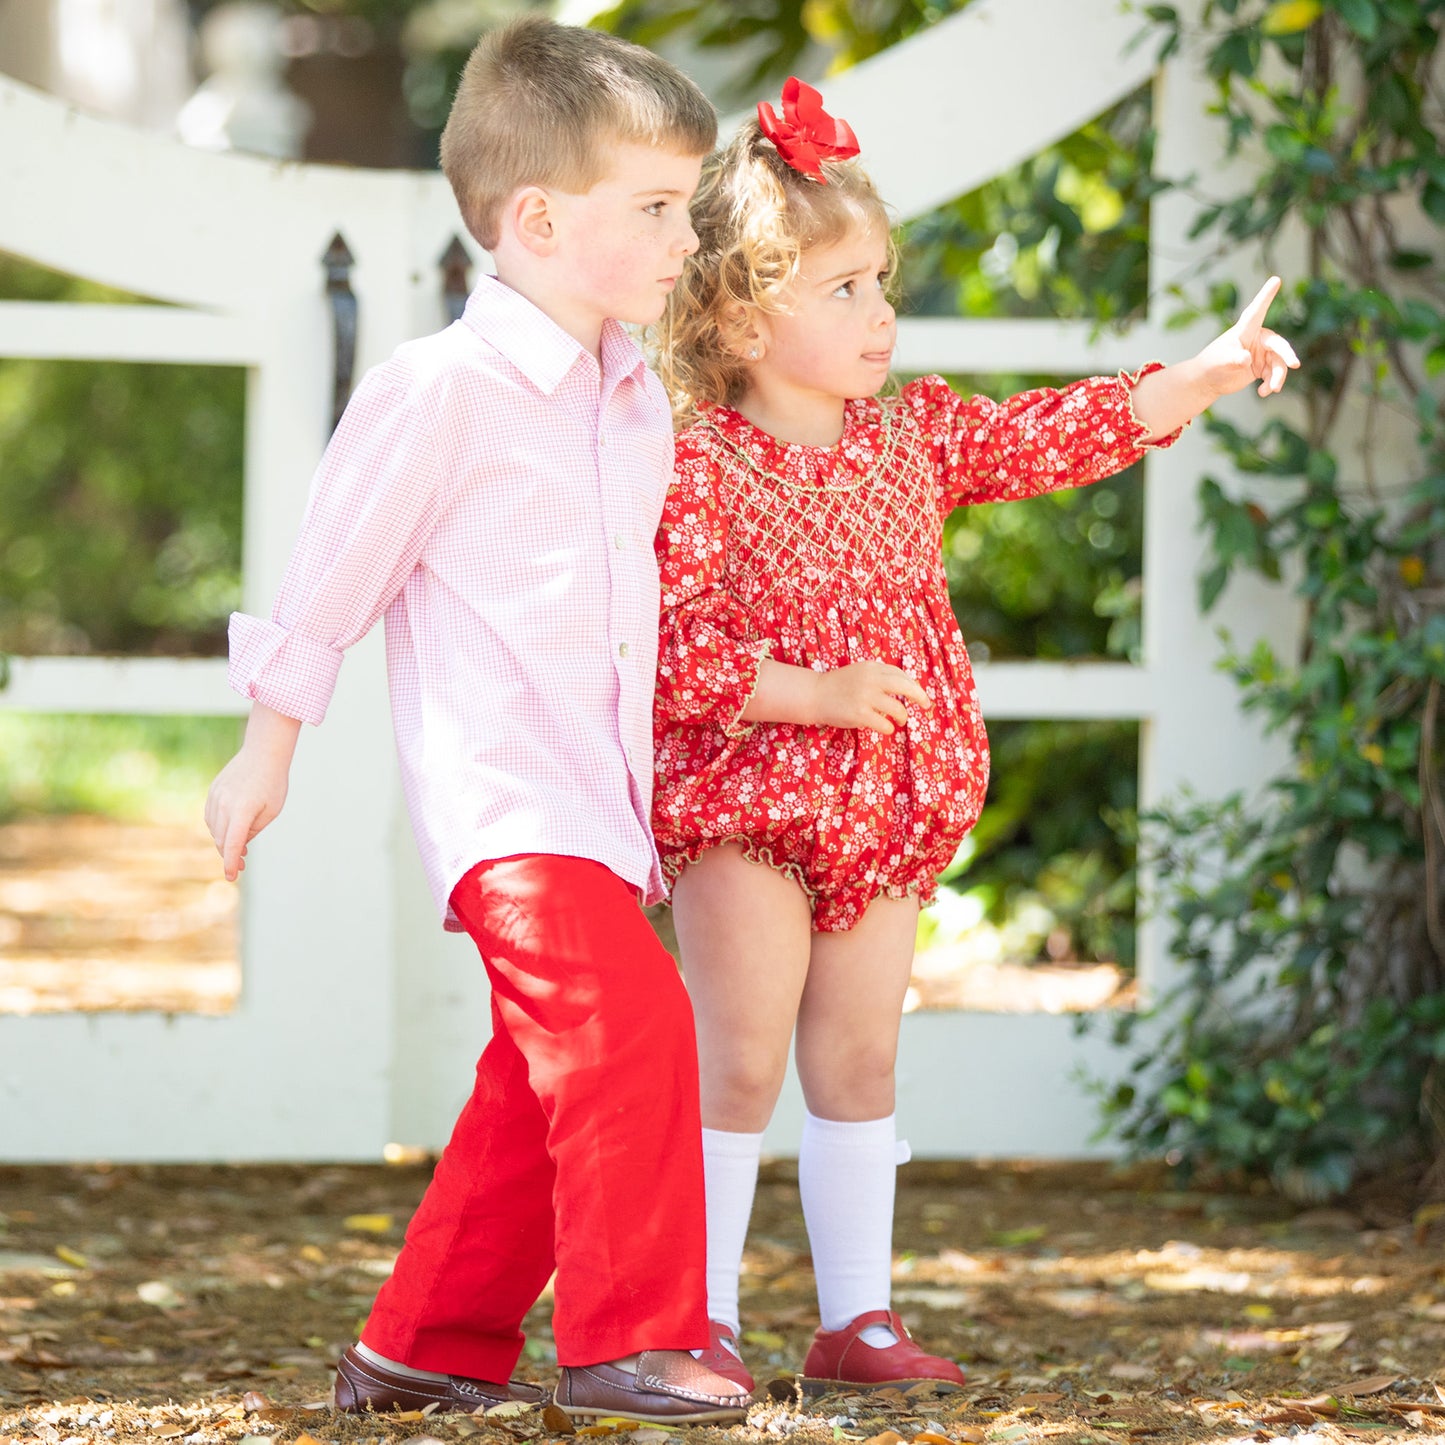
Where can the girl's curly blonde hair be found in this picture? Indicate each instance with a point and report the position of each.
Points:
(754, 216)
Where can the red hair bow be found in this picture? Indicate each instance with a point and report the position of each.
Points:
(807, 135)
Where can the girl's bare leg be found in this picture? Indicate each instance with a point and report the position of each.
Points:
(744, 932)
(850, 1011)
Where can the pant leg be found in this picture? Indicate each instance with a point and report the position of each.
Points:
(478, 1250)
(597, 1008)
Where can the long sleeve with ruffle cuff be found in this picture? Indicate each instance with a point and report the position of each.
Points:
(709, 653)
(1039, 441)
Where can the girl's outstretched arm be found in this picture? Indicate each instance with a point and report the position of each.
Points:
(1165, 400)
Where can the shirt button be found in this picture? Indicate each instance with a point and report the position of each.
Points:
(621, 542)
(622, 649)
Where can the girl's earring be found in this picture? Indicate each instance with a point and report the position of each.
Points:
(753, 354)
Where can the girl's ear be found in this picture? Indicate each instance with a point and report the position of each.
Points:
(741, 329)
(529, 216)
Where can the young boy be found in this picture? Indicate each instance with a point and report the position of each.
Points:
(493, 492)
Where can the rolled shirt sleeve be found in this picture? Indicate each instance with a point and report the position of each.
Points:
(374, 500)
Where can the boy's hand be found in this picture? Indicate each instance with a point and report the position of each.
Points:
(251, 789)
(1249, 351)
(867, 695)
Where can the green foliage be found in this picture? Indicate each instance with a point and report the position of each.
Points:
(120, 497)
(1305, 1037)
(1065, 234)
(760, 42)
(1049, 847)
(1054, 577)
(119, 767)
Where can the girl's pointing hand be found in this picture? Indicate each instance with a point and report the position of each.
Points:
(1249, 351)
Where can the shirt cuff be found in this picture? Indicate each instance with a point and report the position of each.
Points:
(284, 670)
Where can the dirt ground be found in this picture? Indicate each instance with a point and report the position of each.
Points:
(206, 1304)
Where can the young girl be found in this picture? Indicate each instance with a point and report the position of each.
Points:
(820, 753)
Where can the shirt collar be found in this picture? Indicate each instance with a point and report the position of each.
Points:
(540, 349)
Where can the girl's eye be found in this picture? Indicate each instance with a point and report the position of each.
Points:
(655, 209)
(846, 289)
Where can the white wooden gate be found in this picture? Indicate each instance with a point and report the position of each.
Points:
(359, 1021)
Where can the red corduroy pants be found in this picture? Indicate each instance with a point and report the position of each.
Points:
(580, 1146)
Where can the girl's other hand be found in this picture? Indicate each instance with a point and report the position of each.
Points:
(867, 695)
(1249, 351)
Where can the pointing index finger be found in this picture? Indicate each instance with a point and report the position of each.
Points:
(1252, 317)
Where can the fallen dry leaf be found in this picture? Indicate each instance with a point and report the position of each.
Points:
(1291, 1414)
(1425, 1216)
(888, 1437)
(1374, 1385)
(557, 1420)
(506, 1410)
(971, 1434)
(1047, 1397)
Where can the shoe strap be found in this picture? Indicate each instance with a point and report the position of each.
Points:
(890, 1318)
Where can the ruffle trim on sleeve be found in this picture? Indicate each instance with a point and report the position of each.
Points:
(1129, 380)
(738, 728)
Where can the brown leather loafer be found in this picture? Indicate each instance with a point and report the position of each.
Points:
(361, 1385)
(669, 1387)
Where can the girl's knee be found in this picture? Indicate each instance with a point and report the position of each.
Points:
(849, 1082)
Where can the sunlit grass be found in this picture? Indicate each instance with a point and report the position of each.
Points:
(129, 768)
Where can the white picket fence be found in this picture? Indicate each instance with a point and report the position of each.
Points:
(359, 1021)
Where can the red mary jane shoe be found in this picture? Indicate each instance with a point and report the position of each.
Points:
(722, 1360)
(840, 1358)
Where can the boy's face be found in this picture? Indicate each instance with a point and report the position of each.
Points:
(622, 244)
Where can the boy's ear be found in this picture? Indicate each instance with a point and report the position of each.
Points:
(530, 216)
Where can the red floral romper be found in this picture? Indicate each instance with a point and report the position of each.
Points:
(823, 556)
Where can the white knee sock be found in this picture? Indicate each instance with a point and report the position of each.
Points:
(730, 1173)
(846, 1175)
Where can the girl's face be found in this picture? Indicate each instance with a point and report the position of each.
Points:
(836, 338)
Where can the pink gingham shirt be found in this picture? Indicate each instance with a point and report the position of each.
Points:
(494, 495)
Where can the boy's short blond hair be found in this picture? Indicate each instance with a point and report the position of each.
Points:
(539, 103)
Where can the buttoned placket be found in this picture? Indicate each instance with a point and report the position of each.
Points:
(608, 487)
